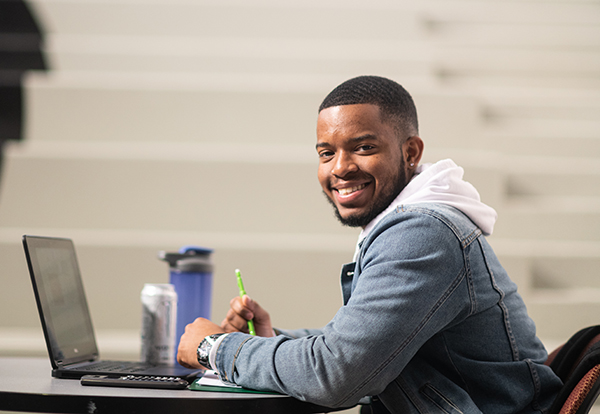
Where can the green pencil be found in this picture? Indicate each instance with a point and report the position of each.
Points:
(242, 293)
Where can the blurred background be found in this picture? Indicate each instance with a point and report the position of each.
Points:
(134, 126)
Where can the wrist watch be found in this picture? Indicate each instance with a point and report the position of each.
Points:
(203, 351)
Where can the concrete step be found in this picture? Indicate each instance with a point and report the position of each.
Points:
(550, 119)
(551, 129)
(224, 108)
(152, 107)
(446, 31)
(543, 115)
(567, 272)
(552, 176)
(152, 53)
(130, 185)
(535, 102)
(472, 80)
(558, 311)
(271, 17)
(473, 60)
(531, 223)
(524, 12)
(294, 19)
(512, 43)
(549, 264)
(472, 66)
(541, 144)
(215, 192)
(204, 187)
(543, 137)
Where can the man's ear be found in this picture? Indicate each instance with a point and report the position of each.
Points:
(413, 151)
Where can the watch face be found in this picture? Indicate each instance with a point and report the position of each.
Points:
(203, 352)
(204, 348)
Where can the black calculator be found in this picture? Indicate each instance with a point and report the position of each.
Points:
(135, 381)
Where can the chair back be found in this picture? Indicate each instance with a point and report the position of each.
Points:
(577, 364)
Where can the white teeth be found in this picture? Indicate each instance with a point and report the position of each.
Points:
(350, 190)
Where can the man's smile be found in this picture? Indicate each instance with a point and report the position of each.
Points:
(352, 195)
(349, 190)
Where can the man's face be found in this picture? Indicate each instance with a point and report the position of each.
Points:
(361, 166)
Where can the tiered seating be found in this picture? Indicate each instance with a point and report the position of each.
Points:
(534, 68)
(192, 122)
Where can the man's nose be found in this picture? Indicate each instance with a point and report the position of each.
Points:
(344, 164)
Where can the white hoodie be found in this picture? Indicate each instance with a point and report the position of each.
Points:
(440, 183)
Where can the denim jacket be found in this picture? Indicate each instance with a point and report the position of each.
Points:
(431, 323)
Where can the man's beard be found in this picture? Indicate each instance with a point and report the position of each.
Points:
(361, 220)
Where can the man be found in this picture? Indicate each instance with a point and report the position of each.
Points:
(431, 322)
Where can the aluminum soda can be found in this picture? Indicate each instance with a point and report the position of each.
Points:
(159, 323)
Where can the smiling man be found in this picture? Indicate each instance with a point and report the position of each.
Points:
(362, 167)
(431, 322)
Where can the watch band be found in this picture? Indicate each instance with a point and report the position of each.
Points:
(203, 351)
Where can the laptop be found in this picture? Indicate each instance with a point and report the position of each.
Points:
(66, 319)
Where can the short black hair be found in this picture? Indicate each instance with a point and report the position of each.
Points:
(395, 103)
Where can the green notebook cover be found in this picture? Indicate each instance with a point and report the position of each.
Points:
(196, 386)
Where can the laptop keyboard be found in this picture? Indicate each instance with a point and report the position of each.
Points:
(115, 366)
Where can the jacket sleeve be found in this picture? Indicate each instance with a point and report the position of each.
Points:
(411, 284)
(297, 333)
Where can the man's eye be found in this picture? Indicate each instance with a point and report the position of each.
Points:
(365, 147)
(325, 154)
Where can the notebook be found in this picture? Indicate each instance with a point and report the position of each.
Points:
(66, 319)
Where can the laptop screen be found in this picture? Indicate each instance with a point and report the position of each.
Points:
(61, 299)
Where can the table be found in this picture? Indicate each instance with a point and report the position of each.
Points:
(26, 384)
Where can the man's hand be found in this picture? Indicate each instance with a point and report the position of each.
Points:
(241, 311)
(194, 334)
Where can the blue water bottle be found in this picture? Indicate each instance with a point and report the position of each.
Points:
(191, 273)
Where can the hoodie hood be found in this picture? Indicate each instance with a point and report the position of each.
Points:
(441, 183)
